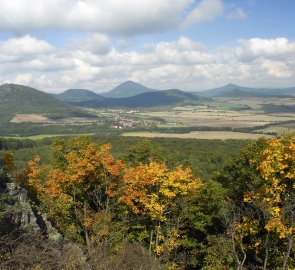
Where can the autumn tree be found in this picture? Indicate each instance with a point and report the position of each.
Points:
(74, 188)
(260, 184)
(274, 194)
(153, 195)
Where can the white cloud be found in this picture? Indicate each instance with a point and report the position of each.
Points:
(81, 72)
(23, 78)
(183, 63)
(268, 48)
(15, 49)
(207, 10)
(112, 16)
(95, 43)
(183, 51)
(277, 69)
(48, 63)
(237, 14)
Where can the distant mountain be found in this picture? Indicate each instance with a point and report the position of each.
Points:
(127, 89)
(233, 89)
(237, 93)
(77, 95)
(290, 91)
(19, 99)
(150, 99)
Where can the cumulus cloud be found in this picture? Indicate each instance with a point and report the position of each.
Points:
(182, 51)
(207, 10)
(15, 49)
(48, 63)
(23, 78)
(277, 69)
(113, 16)
(269, 48)
(95, 43)
(183, 63)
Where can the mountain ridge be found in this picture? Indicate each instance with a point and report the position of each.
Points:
(127, 89)
(77, 95)
(20, 99)
(150, 99)
(226, 89)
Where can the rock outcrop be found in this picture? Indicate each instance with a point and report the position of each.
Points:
(24, 214)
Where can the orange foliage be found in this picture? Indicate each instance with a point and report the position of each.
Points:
(8, 162)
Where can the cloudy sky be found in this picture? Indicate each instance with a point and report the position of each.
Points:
(54, 45)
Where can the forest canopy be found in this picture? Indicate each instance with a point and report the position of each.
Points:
(241, 218)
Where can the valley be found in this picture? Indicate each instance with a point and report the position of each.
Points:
(131, 109)
(147, 135)
(80, 148)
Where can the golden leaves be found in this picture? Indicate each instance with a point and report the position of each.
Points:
(152, 188)
(277, 169)
(84, 169)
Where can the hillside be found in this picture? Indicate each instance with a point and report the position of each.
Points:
(150, 99)
(127, 89)
(237, 93)
(19, 99)
(231, 89)
(76, 95)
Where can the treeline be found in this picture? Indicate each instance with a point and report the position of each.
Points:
(182, 130)
(30, 129)
(15, 144)
(204, 157)
(241, 218)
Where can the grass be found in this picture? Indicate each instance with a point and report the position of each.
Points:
(218, 135)
(43, 136)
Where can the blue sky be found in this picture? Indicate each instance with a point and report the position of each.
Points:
(187, 44)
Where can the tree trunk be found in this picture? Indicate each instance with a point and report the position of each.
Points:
(290, 245)
(266, 253)
(151, 242)
(85, 229)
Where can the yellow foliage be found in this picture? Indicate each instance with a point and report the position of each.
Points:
(277, 169)
(154, 191)
(152, 188)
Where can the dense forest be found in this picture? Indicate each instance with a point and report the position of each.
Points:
(152, 205)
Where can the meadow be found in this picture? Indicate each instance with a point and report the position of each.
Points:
(214, 135)
(248, 115)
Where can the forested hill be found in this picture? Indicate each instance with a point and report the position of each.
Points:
(234, 89)
(127, 89)
(77, 95)
(19, 99)
(150, 99)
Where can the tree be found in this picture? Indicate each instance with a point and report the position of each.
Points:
(142, 152)
(260, 184)
(156, 194)
(274, 194)
(74, 188)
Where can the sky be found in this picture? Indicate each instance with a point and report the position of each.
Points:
(191, 45)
